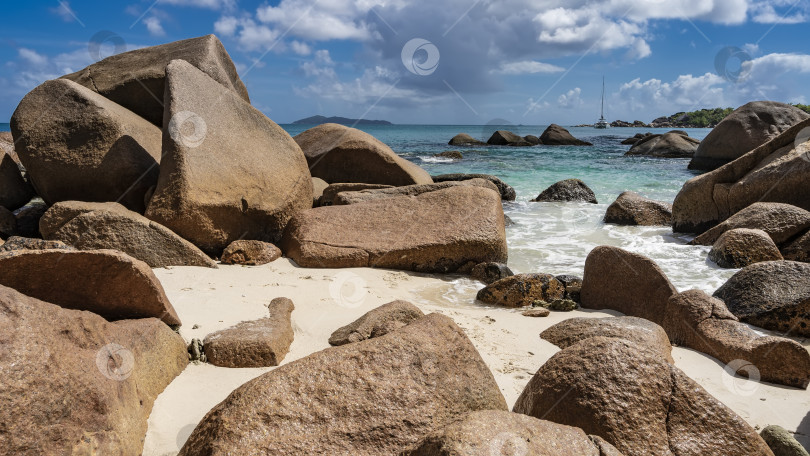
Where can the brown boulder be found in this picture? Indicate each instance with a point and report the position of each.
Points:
(490, 272)
(798, 249)
(28, 219)
(632, 209)
(318, 186)
(780, 221)
(24, 243)
(438, 231)
(109, 283)
(776, 171)
(463, 139)
(745, 129)
(602, 384)
(361, 196)
(521, 290)
(137, 79)
(556, 135)
(493, 432)
(507, 192)
(331, 191)
(645, 334)
(782, 442)
(74, 383)
(258, 343)
(237, 176)
(336, 153)
(668, 145)
(15, 192)
(568, 190)
(98, 226)
(741, 247)
(373, 397)
(77, 145)
(625, 281)
(700, 322)
(507, 138)
(251, 253)
(377, 322)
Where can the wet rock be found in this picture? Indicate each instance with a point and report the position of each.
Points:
(28, 219)
(782, 442)
(556, 135)
(741, 247)
(567, 191)
(780, 221)
(521, 290)
(632, 209)
(453, 154)
(377, 322)
(15, 243)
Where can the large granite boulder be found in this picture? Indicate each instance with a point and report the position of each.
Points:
(137, 79)
(644, 334)
(377, 322)
(96, 226)
(780, 221)
(336, 153)
(507, 192)
(251, 253)
(77, 145)
(438, 231)
(109, 283)
(741, 247)
(361, 196)
(776, 172)
(636, 401)
(632, 209)
(507, 138)
(15, 192)
(76, 384)
(698, 321)
(745, 129)
(625, 281)
(238, 175)
(495, 433)
(668, 145)
(569, 190)
(556, 135)
(256, 343)
(28, 218)
(774, 295)
(463, 139)
(522, 290)
(374, 397)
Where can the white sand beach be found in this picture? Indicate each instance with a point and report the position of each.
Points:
(208, 300)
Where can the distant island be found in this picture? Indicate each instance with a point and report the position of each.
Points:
(317, 120)
(703, 118)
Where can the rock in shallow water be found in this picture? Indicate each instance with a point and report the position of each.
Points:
(569, 190)
(741, 247)
(522, 290)
(782, 442)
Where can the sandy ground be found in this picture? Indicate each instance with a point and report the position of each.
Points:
(326, 299)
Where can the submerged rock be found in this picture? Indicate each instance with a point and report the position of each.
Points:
(632, 209)
(741, 247)
(360, 196)
(780, 221)
(507, 192)
(463, 139)
(507, 138)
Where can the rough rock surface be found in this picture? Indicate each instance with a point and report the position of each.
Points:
(330, 192)
(556, 135)
(451, 154)
(463, 139)
(625, 281)
(109, 283)
(780, 221)
(137, 79)
(632, 209)
(361, 196)
(15, 243)
(438, 231)
(507, 192)
(602, 384)
(373, 397)
(96, 226)
(336, 153)
(258, 343)
(377, 322)
(567, 190)
(798, 249)
(668, 145)
(15, 192)
(74, 383)
(521, 290)
(507, 138)
(776, 171)
(7, 145)
(77, 145)
(237, 175)
(493, 433)
(773, 295)
(490, 272)
(741, 247)
(253, 253)
(782, 442)
(745, 129)
(645, 334)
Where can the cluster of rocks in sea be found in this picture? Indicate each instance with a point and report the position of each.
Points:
(156, 158)
(554, 135)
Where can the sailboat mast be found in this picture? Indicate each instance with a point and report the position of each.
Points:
(603, 97)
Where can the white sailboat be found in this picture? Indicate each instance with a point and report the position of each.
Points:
(602, 124)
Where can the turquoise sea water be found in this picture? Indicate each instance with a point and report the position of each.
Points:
(4, 127)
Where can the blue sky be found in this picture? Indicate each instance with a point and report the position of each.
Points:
(446, 62)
